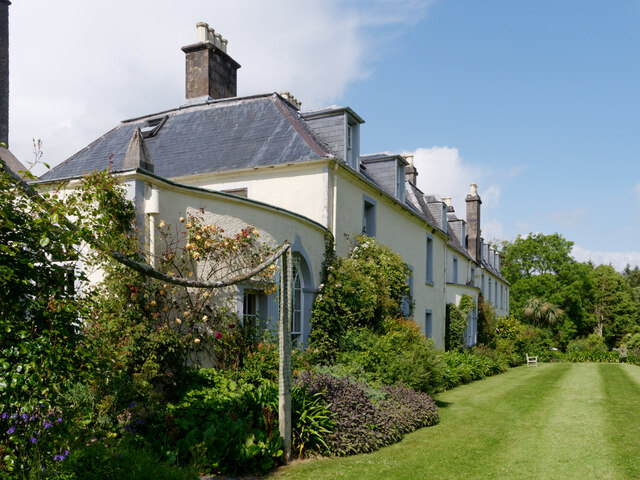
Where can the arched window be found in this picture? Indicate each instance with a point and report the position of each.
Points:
(297, 317)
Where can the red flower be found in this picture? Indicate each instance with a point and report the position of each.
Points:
(218, 335)
(232, 325)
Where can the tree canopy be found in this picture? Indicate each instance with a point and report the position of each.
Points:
(580, 298)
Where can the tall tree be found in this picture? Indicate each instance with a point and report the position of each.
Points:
(614, 308)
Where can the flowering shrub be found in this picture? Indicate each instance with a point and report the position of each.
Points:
(363, 424)
(361, 291)
(31, 439)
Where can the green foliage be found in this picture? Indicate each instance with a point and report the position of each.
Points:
(226, 427)
(312, 421)
(365, 422)
(540, 313)
(615, 309)
(41, 346)
(515, 340)
(104, 461)
(486, 322)
(461, 367)
(261, 363)
(540, 266)
(456, 323)
(361, 291)
(399, 355)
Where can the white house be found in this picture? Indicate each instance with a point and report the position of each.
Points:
(296, 175)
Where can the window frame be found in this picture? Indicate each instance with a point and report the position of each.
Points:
(369, 214)
(429, 260)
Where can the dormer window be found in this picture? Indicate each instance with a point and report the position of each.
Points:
(444, 217)
(152, 127)
(351, 143)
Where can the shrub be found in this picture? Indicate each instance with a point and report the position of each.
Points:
(515, 340)
(469, 365)
(100, 461)
(312, 421)
(593, 343)
(400, 355)
(456, 323)
(363, 424)
(633, 344)
(226, 427)
(486, 322)
(262, 362)
(360, 292)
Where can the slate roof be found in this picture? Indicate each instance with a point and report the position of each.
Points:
(207, 137)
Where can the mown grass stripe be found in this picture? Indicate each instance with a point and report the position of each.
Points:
(622, 388)
(565, 437)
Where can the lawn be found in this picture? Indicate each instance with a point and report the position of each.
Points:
(556, 421)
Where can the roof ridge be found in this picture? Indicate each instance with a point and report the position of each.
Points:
(301, 127)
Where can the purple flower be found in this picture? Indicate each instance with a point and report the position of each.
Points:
(11, 430)
(59, 419)
(59, 458)
(5, 415)
(24, 416)
(33, 439)
(132, 404)
(46, 424)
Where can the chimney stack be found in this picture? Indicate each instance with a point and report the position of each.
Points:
(4, 71)
(210, 71)
(291, 99)
(473, 223)
(410, 171)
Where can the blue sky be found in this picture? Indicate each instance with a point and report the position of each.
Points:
(536, 102)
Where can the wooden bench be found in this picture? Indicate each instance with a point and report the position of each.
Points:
(531, 361)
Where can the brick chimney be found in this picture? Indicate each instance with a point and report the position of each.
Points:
(210, 71)
(474, 242)
(4, 71)
(410, 171)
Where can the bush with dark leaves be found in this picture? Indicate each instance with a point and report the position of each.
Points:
(365, 422)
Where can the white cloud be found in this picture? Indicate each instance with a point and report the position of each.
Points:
(443, 172)
(618, 260)
(73, 77)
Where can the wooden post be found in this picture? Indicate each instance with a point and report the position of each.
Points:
(284, 334)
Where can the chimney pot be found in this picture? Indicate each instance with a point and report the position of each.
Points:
(217, 40)
(474, 190)
(291, 99)
(203, 31)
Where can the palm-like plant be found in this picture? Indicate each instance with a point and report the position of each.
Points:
(541, 313)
